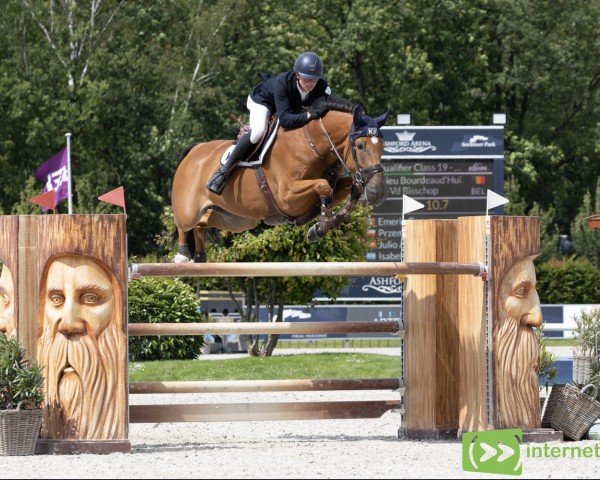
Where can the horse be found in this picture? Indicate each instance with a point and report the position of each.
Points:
(299, 179)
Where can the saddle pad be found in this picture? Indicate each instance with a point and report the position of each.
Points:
(257, 160)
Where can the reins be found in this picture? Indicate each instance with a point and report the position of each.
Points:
(362, 175)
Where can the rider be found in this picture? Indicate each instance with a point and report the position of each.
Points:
(295, 97)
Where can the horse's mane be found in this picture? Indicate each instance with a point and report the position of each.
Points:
(340, 104)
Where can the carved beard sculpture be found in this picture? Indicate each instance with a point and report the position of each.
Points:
(517, 350)
(81, 350)
(7, 303)
(82, 400)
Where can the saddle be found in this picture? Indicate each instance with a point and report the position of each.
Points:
(262, 147)
(274, 215)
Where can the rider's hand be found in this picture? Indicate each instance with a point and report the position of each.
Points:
(318, 108)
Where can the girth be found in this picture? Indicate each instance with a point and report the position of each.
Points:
(274, 215)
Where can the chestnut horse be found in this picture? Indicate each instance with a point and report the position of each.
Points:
(300, 181)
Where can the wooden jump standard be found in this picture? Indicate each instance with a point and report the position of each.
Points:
(469, 361)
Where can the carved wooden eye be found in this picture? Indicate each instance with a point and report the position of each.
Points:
(90, 298)
(57, 299)
(520, 292)
(4, 299)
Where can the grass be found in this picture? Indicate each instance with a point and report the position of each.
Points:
(323, 365)
(560, 342)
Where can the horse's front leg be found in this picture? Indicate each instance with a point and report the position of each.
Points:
(303, 190)
(327, 221)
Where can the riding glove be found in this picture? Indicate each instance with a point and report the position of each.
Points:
(318, 108)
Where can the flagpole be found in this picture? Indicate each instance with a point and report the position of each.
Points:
(70, 199)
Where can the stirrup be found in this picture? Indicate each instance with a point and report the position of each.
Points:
(213, 184)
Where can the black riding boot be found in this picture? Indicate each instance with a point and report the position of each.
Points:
(216, 184)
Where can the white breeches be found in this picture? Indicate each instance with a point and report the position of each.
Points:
(259, 114)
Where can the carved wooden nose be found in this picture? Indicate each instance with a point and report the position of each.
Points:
(70, 324)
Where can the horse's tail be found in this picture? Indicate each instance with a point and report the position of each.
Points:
(186, 150)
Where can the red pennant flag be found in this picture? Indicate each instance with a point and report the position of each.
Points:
(45, 200)
(115, 197)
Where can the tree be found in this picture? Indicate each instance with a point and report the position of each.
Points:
(135, 82)
(587, 242)
(286, 243)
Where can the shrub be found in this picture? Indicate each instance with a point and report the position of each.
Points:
(587, 241)
(569, 281)
(20, 380)
(163, 300)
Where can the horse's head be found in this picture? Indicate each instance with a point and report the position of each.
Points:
(366, 142)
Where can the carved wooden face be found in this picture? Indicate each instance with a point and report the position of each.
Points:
(7, 302)
(81, 349)
(79, 297)
(518, 288)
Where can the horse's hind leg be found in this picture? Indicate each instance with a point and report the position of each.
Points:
(183, 252)
(200, 250)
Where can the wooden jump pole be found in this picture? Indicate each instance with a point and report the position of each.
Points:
(145, 329)
(303, 269)
(268, 411)
(302, 385)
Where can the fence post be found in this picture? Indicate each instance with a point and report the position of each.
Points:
(431, 370)
(68, 264)
(499, 353)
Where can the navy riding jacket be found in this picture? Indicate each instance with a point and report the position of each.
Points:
(281, 96)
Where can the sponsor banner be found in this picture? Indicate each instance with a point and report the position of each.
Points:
(333, 313)
(372, 288)
(439, 142)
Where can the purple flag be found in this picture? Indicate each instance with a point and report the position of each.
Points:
(55, 175)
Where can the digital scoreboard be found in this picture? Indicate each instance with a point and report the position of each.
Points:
(448, 169)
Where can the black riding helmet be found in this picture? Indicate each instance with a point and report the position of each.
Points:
(308, 65)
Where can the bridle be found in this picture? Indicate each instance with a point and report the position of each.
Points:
(361, 176)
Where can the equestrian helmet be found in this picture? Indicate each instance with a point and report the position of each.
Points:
(308, 65)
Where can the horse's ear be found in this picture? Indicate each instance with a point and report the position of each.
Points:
(358, 113)
(381, 119)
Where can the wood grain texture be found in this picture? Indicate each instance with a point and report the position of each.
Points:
(299, 269)
(9, 228)
(296, 385)
(431, 370)
(28, 283)
(84, 356)
(447, 339)
(261, 328)
(514, 242)
(471, 327)
(243, 412)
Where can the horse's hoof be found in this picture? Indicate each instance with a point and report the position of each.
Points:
(179, 258)
(200, 257)
(313, 234)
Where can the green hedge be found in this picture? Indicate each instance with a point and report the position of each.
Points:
(569, 281)
(163, 300)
